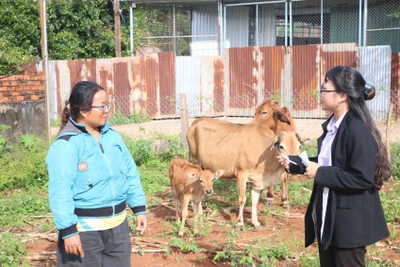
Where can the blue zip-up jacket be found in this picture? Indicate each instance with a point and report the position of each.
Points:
(87, 173)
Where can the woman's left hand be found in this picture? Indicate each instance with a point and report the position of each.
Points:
(141, 223)
(311, 169)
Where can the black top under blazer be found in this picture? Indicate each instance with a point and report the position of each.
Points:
(354, 216)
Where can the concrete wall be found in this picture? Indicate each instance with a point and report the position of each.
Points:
(27, 117)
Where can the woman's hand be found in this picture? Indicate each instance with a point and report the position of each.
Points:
(141, 223)
(311, 169)
(285, 163)
(73, 245)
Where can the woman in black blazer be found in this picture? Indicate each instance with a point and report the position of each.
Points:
(345, 213)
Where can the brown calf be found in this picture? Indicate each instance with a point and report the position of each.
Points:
(190, 183)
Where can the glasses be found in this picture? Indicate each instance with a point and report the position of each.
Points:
(322, 90)
(104, 108)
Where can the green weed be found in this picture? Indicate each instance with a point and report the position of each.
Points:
(12, 251)
(135, 117)
(17, 207)
(391, 203)
(5, 146)
(191, 246)
(300, 192)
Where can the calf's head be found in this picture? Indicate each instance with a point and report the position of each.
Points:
(287, 143)
(206, 179)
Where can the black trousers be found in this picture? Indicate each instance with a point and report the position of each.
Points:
(106, 248)
(342, 257)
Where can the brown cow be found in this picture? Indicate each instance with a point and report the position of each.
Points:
(285, 123)
(190, 183)
(244, 151)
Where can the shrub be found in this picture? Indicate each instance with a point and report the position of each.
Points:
(26, 166)
(395, 159)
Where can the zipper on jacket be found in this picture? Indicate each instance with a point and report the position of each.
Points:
(101, 147)
(109, 168)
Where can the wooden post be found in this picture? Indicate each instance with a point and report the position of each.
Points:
(388, 131)
(117, 29)
(184, 119)
(45, 60)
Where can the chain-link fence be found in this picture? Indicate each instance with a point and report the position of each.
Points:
(383, 25)
(194, 29)
(172, 28)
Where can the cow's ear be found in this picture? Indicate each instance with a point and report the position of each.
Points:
(192, 175)
(281, 116)
(218, 174)
(277, 141)
(299, 138)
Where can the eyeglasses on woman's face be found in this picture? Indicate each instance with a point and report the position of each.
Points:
(104, 108)
(323, 90)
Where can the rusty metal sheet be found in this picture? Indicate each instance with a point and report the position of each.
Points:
(337, 54)
(219, 84)
(63, 84)
(105, 73)
(305, 72)
(395, 84)
(82, 70)
(122, 87)
(145, 85)
(243, 77)
(167, 83)
(272, 68)
(138, 94)
(152, 76)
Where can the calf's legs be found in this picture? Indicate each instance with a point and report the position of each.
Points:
(185, 207)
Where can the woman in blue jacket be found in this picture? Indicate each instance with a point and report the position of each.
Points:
(345, 213)
(93, 178)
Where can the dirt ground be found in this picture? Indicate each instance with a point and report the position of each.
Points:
(279, 223)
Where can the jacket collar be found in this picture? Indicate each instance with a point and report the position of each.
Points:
(345, 120)
(73, 128)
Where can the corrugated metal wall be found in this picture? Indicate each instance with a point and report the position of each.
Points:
(375, 66)
(395, 84)
(233, 85)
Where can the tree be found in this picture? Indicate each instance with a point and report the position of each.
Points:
(80, 29)
(75, 29)
(19, 34)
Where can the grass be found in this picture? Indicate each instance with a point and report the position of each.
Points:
(24, 205)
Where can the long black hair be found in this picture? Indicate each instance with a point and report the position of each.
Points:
(81, 98)
(348, 80)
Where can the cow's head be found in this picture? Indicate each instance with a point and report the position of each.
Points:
(287, 143)
(269, 114)
(206, 179)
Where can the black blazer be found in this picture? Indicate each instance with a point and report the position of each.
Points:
(354, 216)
